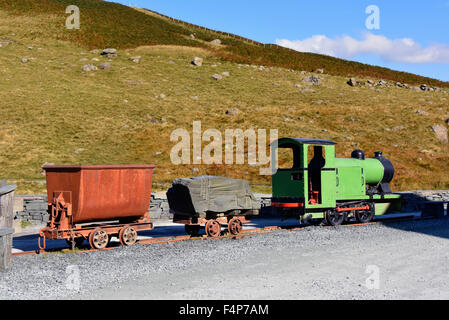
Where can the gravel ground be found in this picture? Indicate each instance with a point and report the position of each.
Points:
(412, 260)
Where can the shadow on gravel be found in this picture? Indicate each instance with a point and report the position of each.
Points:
(437, 227)
(434, 214)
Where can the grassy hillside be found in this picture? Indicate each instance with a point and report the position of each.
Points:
(106, 24)
(52, 111)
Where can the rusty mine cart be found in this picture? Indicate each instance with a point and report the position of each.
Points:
(96, 203)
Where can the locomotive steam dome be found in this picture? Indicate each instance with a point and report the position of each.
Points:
(358, 154)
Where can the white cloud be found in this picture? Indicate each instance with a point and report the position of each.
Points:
(397, 50)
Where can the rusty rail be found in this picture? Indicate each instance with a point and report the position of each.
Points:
(245, 233)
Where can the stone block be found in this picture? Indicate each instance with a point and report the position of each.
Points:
(35, 205)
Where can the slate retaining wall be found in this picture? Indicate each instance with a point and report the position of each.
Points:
(34, 208)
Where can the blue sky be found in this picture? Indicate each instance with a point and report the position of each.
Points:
(413, 35)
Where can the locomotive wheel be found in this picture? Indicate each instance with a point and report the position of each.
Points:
(364, 216)
(98, 239)
(334, 218)
(78, 242)
(235, 226)
(192, 230)
(213, 228)
(127, 236)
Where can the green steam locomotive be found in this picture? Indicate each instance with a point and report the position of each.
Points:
(314, 184)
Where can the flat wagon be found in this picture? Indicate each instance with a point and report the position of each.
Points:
(209, 202)
(97, 202)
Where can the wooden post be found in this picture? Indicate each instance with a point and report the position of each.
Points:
(6, 222)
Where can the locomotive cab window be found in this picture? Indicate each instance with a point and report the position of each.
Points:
(288, 157)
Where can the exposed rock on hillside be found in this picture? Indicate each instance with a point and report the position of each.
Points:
(109, 52)
(105, 65)
(314, 80)
(402, 85)
(382, 83)
(441, 132)
(352, 82)
(232, 112)
(89, 67)
(135, 59)
(197, 61)
(307, 90)
(422, 112)
(4, 42)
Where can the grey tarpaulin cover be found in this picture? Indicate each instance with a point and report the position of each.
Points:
(194, 196)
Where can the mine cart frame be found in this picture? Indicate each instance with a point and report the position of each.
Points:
(61, 226)
(212, 222)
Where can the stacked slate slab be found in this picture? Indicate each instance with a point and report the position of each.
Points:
(35, 210)
(265, 205)
(159, 208)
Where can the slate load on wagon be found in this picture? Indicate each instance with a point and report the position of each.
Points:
(211, 201)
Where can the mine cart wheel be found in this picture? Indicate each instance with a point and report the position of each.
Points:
(235, 226)
(98, 239)
(213, 228)
(78, 242)
(127, 236)
(364, 216)
(192, 230)
(334, 218)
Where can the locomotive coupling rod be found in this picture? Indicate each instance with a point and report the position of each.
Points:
(355, 209)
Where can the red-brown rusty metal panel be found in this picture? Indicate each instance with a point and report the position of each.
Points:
(103, 192)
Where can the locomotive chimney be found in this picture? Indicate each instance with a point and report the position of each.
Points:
(378, 154)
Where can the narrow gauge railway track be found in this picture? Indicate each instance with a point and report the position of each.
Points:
(243, 234)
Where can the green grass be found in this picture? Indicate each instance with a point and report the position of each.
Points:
(106, 24)
(25, 224)
(52, 111)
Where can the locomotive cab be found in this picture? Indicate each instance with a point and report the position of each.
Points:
(311, 182)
